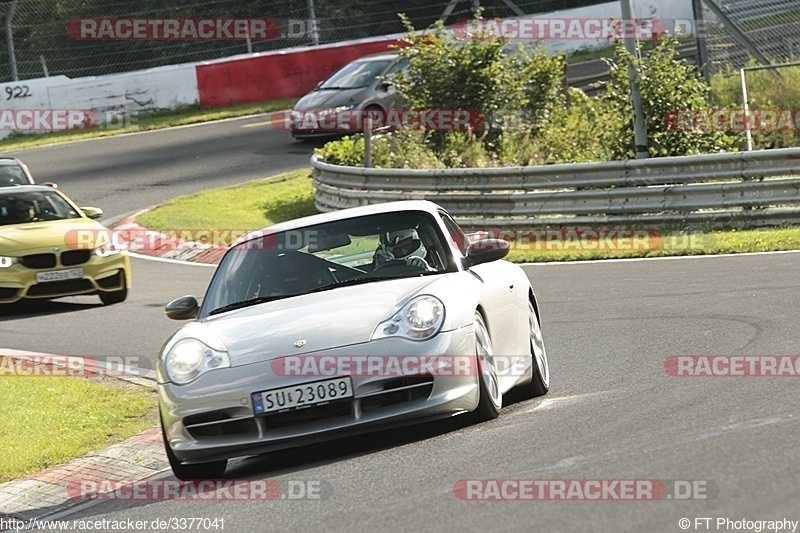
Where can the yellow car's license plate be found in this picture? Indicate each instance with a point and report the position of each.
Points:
(59, 275)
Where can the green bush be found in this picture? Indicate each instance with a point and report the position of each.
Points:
(347, 151)
(529, 118)
(481, 75)
(765, 91)
(667, 85)
(578, 133)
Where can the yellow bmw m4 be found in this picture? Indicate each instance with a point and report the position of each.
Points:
(49, 249)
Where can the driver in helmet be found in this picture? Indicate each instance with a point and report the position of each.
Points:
(403, 245)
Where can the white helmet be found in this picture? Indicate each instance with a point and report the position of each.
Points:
(405, 243)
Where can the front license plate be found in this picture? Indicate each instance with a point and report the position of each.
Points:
(59, 275)
(304, 395)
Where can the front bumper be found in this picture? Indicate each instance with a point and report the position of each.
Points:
(213, 417)
(100, 274)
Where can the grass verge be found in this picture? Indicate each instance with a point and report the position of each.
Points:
(150, 120)
(241, 208)
(672, 244)
(51, 420)
(260, 203)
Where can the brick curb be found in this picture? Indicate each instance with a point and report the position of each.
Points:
(152, 243)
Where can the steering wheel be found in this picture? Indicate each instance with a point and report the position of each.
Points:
(324, 277)
(392, 263)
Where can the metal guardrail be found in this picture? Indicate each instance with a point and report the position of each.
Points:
(743, 189)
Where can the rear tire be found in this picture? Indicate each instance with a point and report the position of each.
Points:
(211, 470)
(540, 381)
(491, 399)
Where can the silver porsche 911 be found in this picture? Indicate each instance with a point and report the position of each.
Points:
(344, 323)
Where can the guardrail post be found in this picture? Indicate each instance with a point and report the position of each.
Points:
(368, 142)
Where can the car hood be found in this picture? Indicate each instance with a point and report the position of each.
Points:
(329, 99)
(324, 320)
(19, 239)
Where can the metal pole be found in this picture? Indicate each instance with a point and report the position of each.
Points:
(632, 45)
(249, 41)
(10, 41)
(44, 66)
(312, 18)
(746, 112)
(700, 37)
(368, 142)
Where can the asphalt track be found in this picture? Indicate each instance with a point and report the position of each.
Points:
(613, 413)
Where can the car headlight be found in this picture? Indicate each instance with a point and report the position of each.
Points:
(419, 319)
(335, 110)
(189, 358)
(107, 250)
(6, 261)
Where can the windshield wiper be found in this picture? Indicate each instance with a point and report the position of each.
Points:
(250, 302)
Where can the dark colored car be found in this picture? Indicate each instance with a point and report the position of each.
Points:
(14, 172)
(333, 108)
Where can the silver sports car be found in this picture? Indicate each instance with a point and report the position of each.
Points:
(344, 323)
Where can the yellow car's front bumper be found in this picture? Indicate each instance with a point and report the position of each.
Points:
(50, 274)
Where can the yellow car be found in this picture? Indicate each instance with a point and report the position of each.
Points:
(50, 248)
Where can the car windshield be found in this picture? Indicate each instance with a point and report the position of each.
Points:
(327, 256)
(355, 75)
(21, 207)
(12, 175)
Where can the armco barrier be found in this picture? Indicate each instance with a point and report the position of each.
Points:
(732, 189)
(281, 74)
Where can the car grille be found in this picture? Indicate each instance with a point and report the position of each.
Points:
(68, 258)
(219, 424)
(38, 260)
(53, 288)
(75, 257)
(222, 423)
(309, 414)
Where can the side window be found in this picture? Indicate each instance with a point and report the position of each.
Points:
(397, 67)
(455, 233)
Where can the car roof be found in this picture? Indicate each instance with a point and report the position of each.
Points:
(344, 214)
(16, 189)
(380, 55)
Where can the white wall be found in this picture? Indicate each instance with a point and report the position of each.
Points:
(104, 97)
(668, 11)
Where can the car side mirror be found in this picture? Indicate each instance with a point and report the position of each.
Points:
(92, 212)
(486, 251)
(384, 86)
(50, 184)
(183, 308)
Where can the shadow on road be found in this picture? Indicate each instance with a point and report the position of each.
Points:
(29, 308)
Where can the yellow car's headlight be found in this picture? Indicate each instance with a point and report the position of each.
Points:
(6, 261)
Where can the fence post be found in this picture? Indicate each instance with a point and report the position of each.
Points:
(10, 41)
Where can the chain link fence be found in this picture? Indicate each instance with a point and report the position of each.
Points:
(772, 28)
(43, 37)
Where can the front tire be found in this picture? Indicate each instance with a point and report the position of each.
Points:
(115, 297)
(540, 381)
(491, 399)
(211, 470)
